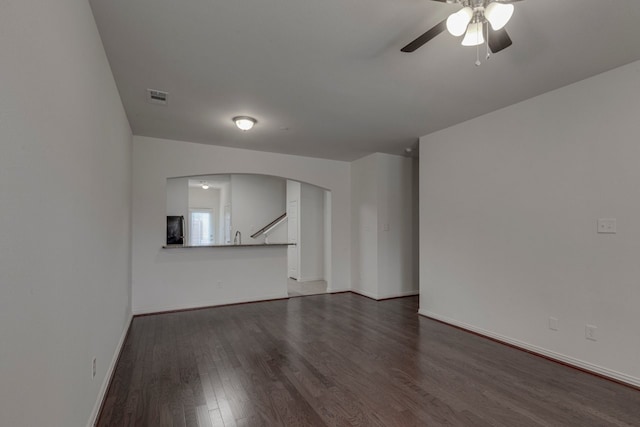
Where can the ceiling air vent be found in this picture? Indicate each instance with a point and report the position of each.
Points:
(157, 97)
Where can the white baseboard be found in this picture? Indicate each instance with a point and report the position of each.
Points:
(410, 293)
(386, 296)
(581, 364)
(365, 293)
(93, 419)
(309, 279)
(137, 311)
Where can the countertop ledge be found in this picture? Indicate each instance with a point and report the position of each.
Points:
(256, 245)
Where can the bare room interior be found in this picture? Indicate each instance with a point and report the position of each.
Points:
(297, 213)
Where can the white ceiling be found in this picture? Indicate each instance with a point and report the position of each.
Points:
(326, 78)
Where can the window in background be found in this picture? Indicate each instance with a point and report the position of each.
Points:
(201, 229)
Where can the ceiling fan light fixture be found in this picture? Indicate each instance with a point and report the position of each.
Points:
(474, 36)
(244, 122)
(457, 22)
(498, 14)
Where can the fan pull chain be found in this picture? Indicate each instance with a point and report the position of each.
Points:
(487, 41)
(478, 55)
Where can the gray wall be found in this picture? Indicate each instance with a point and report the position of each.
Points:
(382, 189)
(508, 210)
(167, 280)
(65, 180)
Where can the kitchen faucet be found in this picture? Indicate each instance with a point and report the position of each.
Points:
(237, 240)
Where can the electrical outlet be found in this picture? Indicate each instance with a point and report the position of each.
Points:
(553, 323)
(607, 225)
(590, 332)
(93, 368)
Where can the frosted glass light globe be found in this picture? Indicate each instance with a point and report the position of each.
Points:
(474, 35)
(244, 122)
(498, 14)
(457, 22)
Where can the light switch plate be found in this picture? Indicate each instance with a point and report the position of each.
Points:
(607, 225)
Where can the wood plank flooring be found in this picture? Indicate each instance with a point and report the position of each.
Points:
(343, 360)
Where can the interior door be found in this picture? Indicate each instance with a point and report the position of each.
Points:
(292, 233)
(227, 224)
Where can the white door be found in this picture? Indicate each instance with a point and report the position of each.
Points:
(292, 233)
(227, 224)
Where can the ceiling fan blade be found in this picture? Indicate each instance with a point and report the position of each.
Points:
(499, 40)
(425, 37)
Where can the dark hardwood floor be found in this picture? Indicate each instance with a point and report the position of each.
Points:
(343, 360)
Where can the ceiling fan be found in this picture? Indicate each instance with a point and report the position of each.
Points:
(474, 20)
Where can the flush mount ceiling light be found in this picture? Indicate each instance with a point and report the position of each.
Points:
(205, 185)
(479, 20)
(244, 122)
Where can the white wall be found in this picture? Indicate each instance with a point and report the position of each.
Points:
(155, 160)
(508, 206)
(256, 200)
(204, 199)
(178, 197)
(293, 229)
(364, 226)
(65, 180)
(311, 242)
(224, 234)
(203, 277)
(382, 226)
(415, 221)
(395, 225)
(327, 235)
(307, 259)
